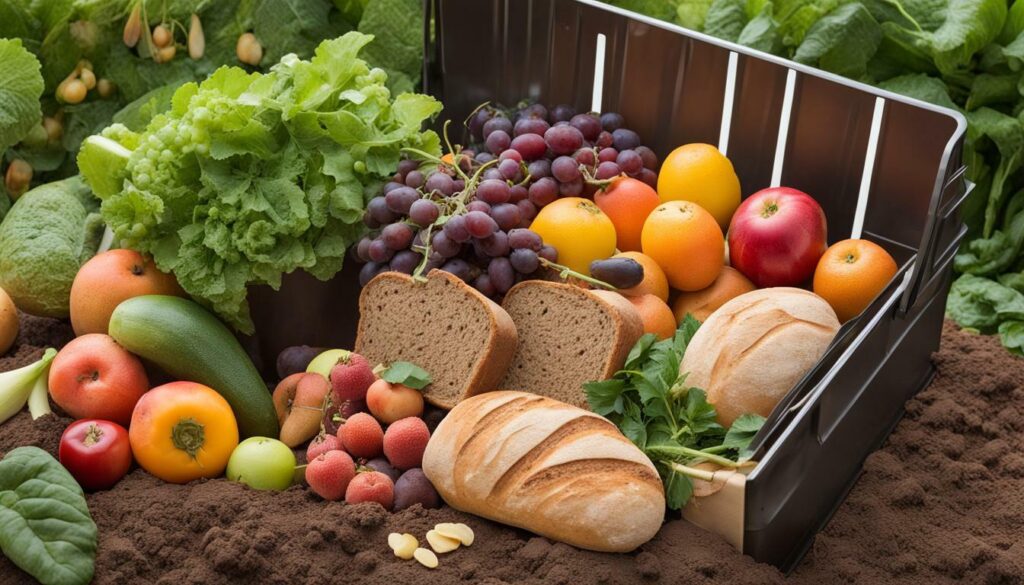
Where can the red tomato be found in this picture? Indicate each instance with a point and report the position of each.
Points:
(96, 452)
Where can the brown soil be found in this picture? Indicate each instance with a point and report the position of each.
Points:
(942, 502)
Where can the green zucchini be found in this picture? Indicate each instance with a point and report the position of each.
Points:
(189, 343)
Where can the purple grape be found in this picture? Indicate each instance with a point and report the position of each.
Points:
(611, 121)
(498, 141)
(493, 191)
(527, 211)
(470, 153)
(509, 168)
(492, 174)
(444, 245)
(397, 236)
(526, 126)
(572, 188)
(379, 251)
(459, 268)
(464, 161)
(495, 245)
(586, 157)
(391, 186)
(565, 169)
(607, 170)
(517, 193)
(647, 155)
(511, 154)
(401, 199)
(455, 229)
(480, 225)
(414, 179)
(563, 139)
(477, 121)
(406, 166)
(369, 222)
(506, 215)
(544, 191)
(539, 169)
(459, 185)
(528, 239)
(608, 155)
(484, 157)
(441, 183)
(434, 261)
(477, 205)
(630, 162)
(588, 124)
(524, 260)
(406, 261)
(562, 113)
(377, 208)
(534, 111)
(484, 285)
(650, 177)
(530, 146)
(368, 271)
(625, 139)
(363, 249)
(548, 253)
(604, 140)
(497, 123)
(503, 276)
(424, 212)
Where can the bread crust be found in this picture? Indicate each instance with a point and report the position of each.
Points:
(547, 467)
(498, 352)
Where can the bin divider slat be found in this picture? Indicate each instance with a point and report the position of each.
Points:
(784, 119)
(727, 103)
(869, 168)
(599, 51)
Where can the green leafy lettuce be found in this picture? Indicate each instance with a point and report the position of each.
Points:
(670, 421)
(19, 94)
(45, 526)
(251, 176)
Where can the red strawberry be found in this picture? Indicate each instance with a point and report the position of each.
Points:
(362, 436)
(405, 441)
(351, 377)
(330, 474)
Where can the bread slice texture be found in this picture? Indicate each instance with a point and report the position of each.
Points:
(461, 338)
(548, 467)
(567, 336)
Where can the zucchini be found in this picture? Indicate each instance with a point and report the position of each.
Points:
(189, 343)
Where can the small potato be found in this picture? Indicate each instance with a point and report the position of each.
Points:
(426, 557)
(441, 544)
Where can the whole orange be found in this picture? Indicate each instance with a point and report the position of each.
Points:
(655, 282)
(701, 174)
(627, 202)
(850, 275)
(656, 315)
(686, 241)
(578, 229)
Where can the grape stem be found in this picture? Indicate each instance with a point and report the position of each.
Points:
(564, 272)
(589, 179)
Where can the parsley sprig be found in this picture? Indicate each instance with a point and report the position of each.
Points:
(670, 421)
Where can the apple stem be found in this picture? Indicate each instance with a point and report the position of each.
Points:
(189, 436)
(92, 436)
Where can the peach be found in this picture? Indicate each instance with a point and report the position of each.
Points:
(391, 402)
(109, 278)
(362, 436)
(322, 444)
(8, 322)
(94, 377)
(330, 474)
(371, 486)
(405, 441)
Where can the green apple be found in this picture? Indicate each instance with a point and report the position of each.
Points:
(262, 464)
(325, 362)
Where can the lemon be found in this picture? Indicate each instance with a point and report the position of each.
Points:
(699, 173)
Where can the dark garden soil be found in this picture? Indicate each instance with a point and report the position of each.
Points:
(941, 502)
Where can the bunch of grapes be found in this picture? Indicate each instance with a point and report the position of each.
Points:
(470, 213)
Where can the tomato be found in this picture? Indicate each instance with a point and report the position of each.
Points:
(578, 229)
(183, 431)
(96, 453)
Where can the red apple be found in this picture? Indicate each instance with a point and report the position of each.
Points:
(94, 377)
(777, 236)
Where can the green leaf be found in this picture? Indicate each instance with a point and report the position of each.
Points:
(138, 114)
(1014, 24)
(983, 304)
(639, 352)
(19, 94)
(796, 17)
(742, 432)
(726, 18)
(691, 13)
(699, 415)
(922, 87)
(969, 26)
(841, 42)
(605, 396)
(684, 333)
(397, 28)
(1011, 334)
(1007, 134)
(989, 89)
(993, 255)
(632, 425)
(762, 33)
(407, 374)
(45, 527)
(678, 489)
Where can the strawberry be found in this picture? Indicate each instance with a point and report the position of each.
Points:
(351, 378)
(362, 436)
(405, 441)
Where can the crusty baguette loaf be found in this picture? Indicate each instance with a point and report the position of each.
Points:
(461, 338)
(548, 467)
(568, 335)
(750, 352)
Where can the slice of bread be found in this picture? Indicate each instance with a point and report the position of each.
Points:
(567, 336)
(461, 338)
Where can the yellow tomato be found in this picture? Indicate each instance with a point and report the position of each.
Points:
(183, 431)
(699, 173)
(578, 229)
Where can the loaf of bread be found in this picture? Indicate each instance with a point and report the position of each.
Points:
(750, 352)
(548, 467)
(568, 335)
(461, 338)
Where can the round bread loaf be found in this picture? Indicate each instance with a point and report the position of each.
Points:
(750, 352)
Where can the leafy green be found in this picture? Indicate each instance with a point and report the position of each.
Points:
(670, 421)
(19, 94)
(45, 526)
(398, 49)
(983, 304)
(407, 374)
(842, 42)
(248, 176)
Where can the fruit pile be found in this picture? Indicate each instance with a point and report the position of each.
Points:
(470, 212)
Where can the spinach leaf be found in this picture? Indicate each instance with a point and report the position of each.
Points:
(842, 42)
(725, 19)
(969, 26)
(19, 94)
(398, 49)
(1011, 333)
(45, 527)
(983, 304)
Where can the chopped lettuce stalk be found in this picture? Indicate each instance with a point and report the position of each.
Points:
(17, 385)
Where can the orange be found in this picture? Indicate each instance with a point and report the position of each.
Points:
(656, 315)
(850, 275)
(703, 175)
(686, 241)
(627, 202)
(655, 282)
(730, 284)
(578, 229)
